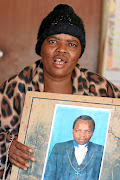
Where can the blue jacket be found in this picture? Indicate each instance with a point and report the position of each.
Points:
(62, 164)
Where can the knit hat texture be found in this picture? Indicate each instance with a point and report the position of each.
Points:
(61, 20)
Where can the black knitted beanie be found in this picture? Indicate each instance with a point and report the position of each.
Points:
(61, 20)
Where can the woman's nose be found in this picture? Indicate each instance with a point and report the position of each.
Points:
(62, 48)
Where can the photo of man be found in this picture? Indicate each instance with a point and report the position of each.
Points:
(78, 158)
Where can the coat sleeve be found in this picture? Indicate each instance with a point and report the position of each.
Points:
(97, 85)
(12, 96)
(11, 104)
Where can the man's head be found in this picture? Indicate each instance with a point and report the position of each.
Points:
(62, 20)
(83, 128)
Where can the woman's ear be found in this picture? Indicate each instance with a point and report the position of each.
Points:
(40, 58)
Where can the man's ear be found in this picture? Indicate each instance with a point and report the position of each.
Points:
(92, 133)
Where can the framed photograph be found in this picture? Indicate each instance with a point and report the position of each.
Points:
(47, 122)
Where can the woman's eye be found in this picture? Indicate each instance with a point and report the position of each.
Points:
(73, 45)
(52, 41)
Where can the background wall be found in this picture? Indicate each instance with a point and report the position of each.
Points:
(19, 23)
(109, 61)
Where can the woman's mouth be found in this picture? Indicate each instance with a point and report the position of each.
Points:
(59, 61)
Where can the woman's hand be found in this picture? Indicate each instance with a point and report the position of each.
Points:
(18, 154)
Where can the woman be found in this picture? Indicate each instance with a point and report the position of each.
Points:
(61, 41)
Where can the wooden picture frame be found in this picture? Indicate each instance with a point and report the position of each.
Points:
(46, 114)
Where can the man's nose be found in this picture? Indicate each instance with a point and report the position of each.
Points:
(82, 134)
(62, 48)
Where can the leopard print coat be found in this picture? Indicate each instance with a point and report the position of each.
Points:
(12, 95)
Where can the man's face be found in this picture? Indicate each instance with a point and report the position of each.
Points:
(60, 54)
(83, 131)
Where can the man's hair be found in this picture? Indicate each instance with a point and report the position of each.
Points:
(86, 118)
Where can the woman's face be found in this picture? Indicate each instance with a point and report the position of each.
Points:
(60, 54)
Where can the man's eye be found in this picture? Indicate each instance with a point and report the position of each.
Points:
(77, 130)
(88, 132)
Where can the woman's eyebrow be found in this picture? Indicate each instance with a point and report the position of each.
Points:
(67, 40)
(73, 41)
(53, 37)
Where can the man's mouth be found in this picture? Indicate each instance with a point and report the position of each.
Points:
(59, 61)
(81, 139)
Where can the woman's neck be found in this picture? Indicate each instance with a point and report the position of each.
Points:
(62, 86)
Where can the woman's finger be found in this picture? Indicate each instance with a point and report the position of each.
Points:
(18, 164)
(18, 155)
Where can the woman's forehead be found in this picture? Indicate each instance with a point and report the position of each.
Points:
(63, 36)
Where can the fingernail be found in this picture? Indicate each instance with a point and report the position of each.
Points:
(27, 165)
(30, 150)
(33, 159)
(25, 168)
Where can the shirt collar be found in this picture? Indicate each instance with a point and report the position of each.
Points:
(75, 144)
